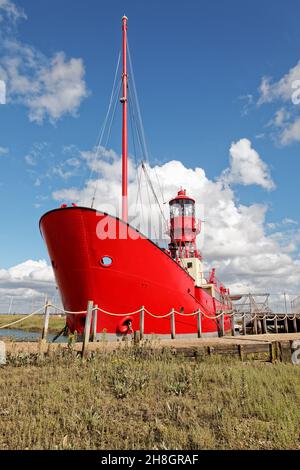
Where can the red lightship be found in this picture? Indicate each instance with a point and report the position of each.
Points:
(96, 256)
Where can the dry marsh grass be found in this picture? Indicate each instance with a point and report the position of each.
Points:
(136, 399)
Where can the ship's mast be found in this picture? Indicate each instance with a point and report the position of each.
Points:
(124, 126)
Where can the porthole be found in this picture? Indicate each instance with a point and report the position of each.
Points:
(106, 261)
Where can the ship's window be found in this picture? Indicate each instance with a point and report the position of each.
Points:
(190, 265)
(106, 261)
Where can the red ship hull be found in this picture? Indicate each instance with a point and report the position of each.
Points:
(141, 274)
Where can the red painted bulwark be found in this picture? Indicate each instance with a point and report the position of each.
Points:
(140, 274)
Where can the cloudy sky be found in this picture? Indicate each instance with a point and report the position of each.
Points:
(219, 89)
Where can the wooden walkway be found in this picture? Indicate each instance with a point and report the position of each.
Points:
(267, 347)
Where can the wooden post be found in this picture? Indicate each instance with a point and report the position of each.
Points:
(199, 324)
(286, 325)
(142, 322)
(87, 328)
(94, 326)
(244, 324)
(46, 322)
(222, 326)
(264, 324)
(276, 324)
(136, 337)
(173, 327)
(255, 329)
(232, 319)
(295, 323)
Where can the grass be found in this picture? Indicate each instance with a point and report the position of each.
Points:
(34, 323)
(137, 399)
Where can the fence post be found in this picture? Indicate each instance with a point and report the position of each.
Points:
(295, 323)
(173, 328)
(46, 321)
(199, 324)
(222, 326)
(286, 325)
(244, 324)
(87, 328)
(94, 327)
(142, 322)
(276, 324)
(255, 329)
(232, 319)
(264, 324)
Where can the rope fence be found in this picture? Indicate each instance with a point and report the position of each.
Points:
(256, 322)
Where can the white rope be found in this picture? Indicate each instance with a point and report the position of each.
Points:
(158, 316)
(22, 319)
(185, 314)
(68, 312)
(116, 314)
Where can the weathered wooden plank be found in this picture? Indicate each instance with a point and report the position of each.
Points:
(87, 328)
(46, 322)
(285, 351)
(173, 326)
(232, 324)
(199, 324)
(142, 322)
(244, 325)
(276, 324)
(94, 325)
(222, 325)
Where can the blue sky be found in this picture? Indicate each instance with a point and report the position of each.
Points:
(199, 66)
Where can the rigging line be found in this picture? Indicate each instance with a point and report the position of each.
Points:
(113, 113)
(111, 98)
(152, 189)
(138, 131)
(102, 129)
(144, 168)
(138, 167)
(135, 151)
(137, 103)
(107, 139)
(159, 185)
(142, 132)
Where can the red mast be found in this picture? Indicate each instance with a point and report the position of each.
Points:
(124, 127)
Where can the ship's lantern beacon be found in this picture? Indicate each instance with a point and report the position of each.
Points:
(183, 226)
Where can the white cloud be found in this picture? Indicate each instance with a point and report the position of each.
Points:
(3, 151)
(281, 90)
(234, 236)
(49, 87)
(25, 282)
(11, 10)
(281, 117)
(62, 89)
(246, 167)
(291, 133)
(286, 90)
